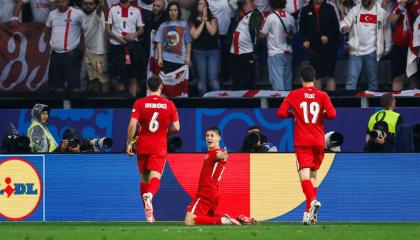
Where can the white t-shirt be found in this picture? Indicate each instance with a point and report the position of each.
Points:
(124, 20)
(94, 29)
(40, 9)
(242, 42)
(276, 42)
(293, 6)
(222, 12)
(263, 6)
(6, 10)
(66, 29)
(367, 30)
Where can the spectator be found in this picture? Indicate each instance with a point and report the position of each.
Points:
(401, 18)
(124, 25)
(293, 7)
(96, 40)
(173, 40)
(279, 27)
(263, 6)
(344, 7)
(146, 7)
(318, 25)
(222, 12)
(41, 140)
(414, 8)
(206, 49)
(11, 11)
(242, 37)
(369, 41)
(40, 9)
(64, 27)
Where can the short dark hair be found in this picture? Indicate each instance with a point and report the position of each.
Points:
(170, 4)
(386, 100)
(214, 129)
(153, 83)
(277, 4)
(254, 127)
(307, 73)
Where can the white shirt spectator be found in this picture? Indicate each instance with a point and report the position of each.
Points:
(6, 10)
(40, 9)
(367, 30)
(95, 36)
(66, 29)
(222, 12)
(276, 41)
(293, 6)
(242, 42)
(124, 20)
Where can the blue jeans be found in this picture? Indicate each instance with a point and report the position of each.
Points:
(355, 66)
(207, 65)
(280, 71)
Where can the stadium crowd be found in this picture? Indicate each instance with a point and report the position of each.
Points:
(228, 44)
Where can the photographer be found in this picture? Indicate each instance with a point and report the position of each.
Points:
(256, 142)
(379, 139)
(70, 142)
(13, 143)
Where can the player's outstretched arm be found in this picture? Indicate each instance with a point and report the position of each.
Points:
(330, 112)
(283, 110)
(130, 135)
(222, 155)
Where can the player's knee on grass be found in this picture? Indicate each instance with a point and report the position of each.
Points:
(189, 218)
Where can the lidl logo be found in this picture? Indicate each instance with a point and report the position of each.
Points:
(20, 189)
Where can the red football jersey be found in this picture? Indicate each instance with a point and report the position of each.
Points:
(210, 175)
(309, 107)
(154, 114)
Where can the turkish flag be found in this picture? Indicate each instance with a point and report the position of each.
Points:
(368, 18)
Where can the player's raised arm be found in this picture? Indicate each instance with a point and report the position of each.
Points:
(283, 110)
(330, 112)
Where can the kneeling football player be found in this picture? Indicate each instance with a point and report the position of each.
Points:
(202, 208)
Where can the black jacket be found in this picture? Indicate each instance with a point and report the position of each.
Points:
(328, 26)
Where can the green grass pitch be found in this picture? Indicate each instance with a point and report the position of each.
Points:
(176, 230)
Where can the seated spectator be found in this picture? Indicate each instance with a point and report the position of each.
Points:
(370, 40)
(320, 33)
(11, 11)
(64, 27)
(124, 25)
(279, 28)
(41, 140)
(206, 49)
(173, 40)
(96, 54)
(242, 38)
(40, 9)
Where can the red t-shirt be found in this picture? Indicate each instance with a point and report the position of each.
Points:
(210, 175)
(154, 114)
(400, 37)
(309, 107)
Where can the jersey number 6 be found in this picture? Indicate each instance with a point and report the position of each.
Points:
(313, 109)
(154, 124)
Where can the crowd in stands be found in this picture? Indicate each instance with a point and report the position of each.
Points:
(222, 41)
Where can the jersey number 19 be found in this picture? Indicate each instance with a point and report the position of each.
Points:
(313, 110)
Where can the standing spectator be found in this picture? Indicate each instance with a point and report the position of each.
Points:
(64, 25)
(124, 25)
(279, 27)
(293, 6)
(96, 40)
(206, 50)
(369, 41)
(11, 11)
(318, 25)
(40, 9)
(173, 40)
(401, 18)
(243, 35)
(146, 7)
(41, 140)
(222, 12)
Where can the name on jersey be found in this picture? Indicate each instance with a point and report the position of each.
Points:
(156, 105)
(310, 95)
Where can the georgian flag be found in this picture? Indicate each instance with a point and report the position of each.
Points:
(175, 84)
(413, 54)
(152, 65)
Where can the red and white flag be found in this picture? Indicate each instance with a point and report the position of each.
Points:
(368, 18)
(175, 84)
(153, 66)
(413, 54)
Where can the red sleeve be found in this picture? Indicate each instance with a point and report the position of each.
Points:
(283, 110)
(173, 113)
(330, 112)
(135, 112)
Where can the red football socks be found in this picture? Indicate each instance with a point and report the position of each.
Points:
(154, 186)
(204, 220)
(308, 190)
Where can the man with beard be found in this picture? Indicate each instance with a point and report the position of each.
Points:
(95, 58)
(369, 41)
